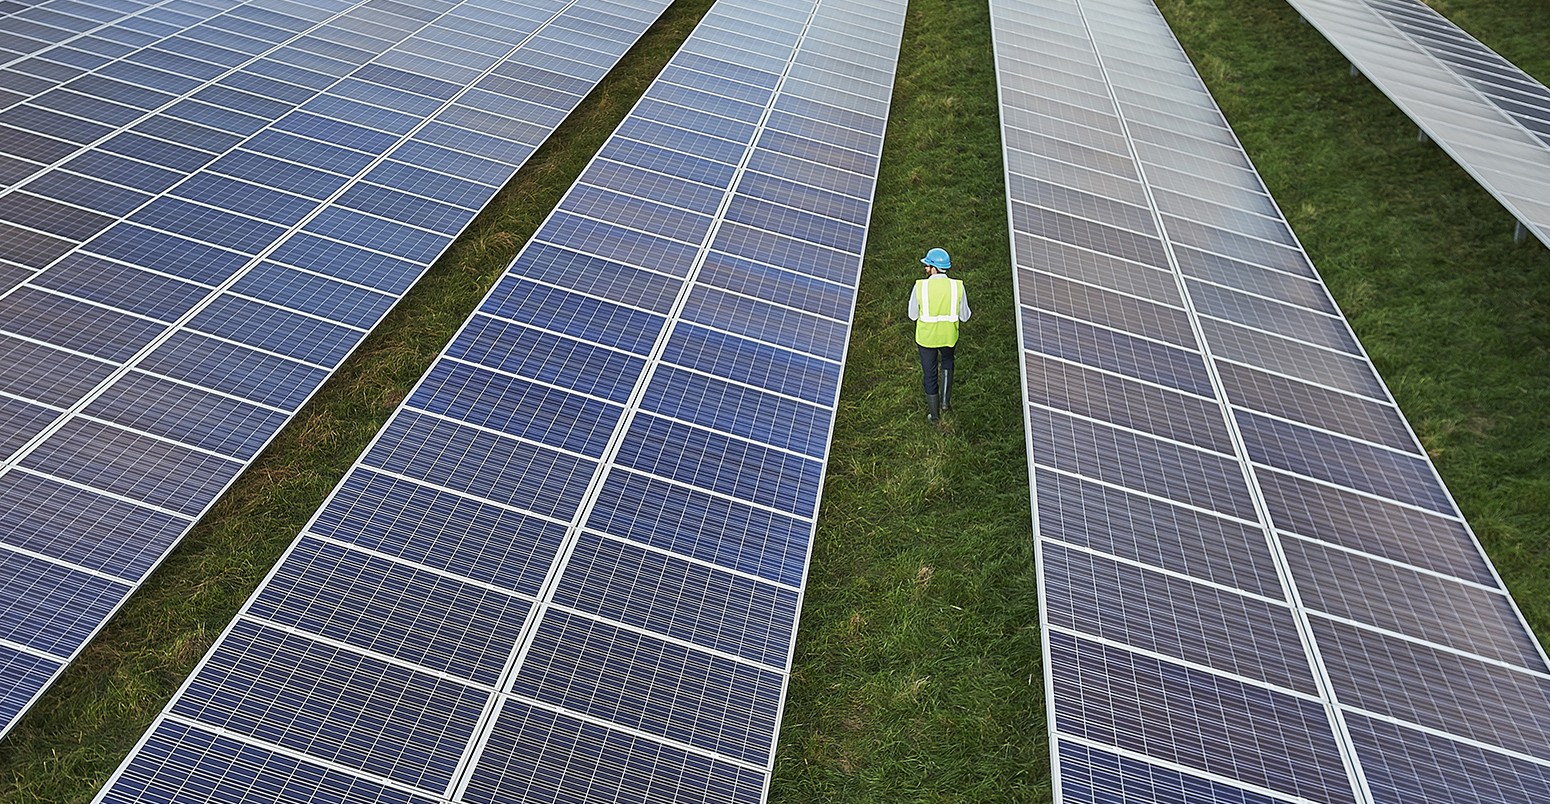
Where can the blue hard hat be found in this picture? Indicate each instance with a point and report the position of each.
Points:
(938, 259)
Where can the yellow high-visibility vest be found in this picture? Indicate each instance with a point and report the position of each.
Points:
(937, 303)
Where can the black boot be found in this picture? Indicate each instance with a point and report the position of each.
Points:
(933, 409)
(947, 389)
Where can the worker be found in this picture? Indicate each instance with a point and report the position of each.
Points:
(937, 304)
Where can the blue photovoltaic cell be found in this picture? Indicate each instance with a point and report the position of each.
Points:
(730, 408)
(704, 605)
(1115, 351)
(130, 289)
(169, 254)
(642, 682)
(781, 251)
(336, 592)
(697, 524)
(120, 461)
(334, 704)
(1198, 406)
(524, 409)
(21, 676)
(1155, 466)
(617, 243)
(537, 755)
(733, 467)
(50, 608)
(546, 357)
(567, 313)
(753, 363)
(74, 325)
(376, 269)
(181, 764)
(1222, 726)
(1403, 600)
(481, 464)
(85, 528)
(1132, 405)
(232, 369)
(441, 530)
(1409, 764)
(20, 422)
(1319, 407)
(276, 330)
(1266, 350)
(776, 285)
(1116, 522)
(1351, 464)
(1188, 621)
(1446, 692)
(1090, 776)
(604, 278)
(315, 295)
(186, 414)
(192, 148)
(782, 326)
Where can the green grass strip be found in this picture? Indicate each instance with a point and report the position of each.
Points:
(917, 672)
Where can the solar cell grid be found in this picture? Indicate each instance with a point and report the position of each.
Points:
(1189, 621)
(1397, 598)
(1370, 597)
(1402, 761)
(1197, 719)
(1090, 776)
(668, 574)
(1131, 526)
(244, 191)
(1123, 402)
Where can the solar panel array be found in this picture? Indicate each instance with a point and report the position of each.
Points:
(569, 567)
(1254, 586)
(1490, 116)
(204, 207)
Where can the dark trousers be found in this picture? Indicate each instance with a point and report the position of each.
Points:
(932, 358)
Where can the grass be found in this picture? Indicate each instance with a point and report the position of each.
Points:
(917, 671)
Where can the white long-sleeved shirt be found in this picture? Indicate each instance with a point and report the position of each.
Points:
(963, 300)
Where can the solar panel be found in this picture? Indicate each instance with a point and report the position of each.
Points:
(569, 566)
(1254, 586)
(204, 207)
(1490, 116)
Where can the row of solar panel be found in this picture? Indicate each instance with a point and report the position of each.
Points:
(1150, 337)
(149, 365)
(1503, 83)
(1226, 315)
(639, 331)
(1110, 339)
